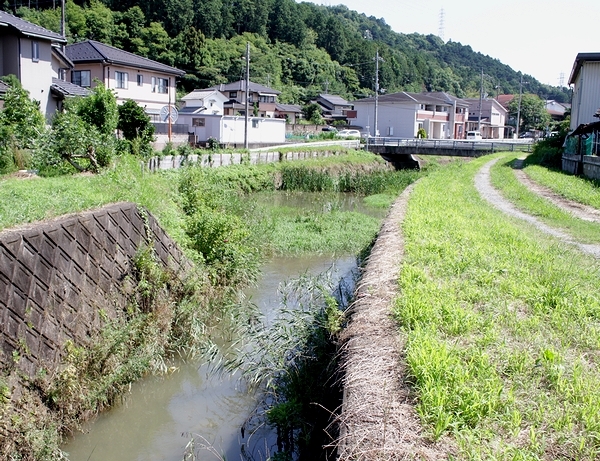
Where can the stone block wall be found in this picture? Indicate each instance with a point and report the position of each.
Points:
(60, 279)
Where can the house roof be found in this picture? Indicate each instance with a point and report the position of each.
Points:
(579, 60)
(240, 85)
(64, 89)
(191, 110)
(29, 29)
(202, 94)
(504, 99)
(92, 51)
(62, 56)
(422, 98)
(334, 99)
(288, 108)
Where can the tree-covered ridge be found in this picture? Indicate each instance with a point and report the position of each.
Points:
(301, 49)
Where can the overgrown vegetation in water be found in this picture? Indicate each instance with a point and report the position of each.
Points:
(210, 214)
(502, 327)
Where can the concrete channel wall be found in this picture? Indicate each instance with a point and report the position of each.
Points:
(60, 280)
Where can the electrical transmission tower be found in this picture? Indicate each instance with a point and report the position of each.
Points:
(441, 30)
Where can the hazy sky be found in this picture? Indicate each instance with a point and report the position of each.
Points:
(537, 37)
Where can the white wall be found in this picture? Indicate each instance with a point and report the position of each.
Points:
(36, 76)
(399, 118)
(229, 129)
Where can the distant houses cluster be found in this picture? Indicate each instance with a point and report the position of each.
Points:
(52, 71)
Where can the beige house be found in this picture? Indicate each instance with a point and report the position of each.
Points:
(26, 51)
(260, 98)
(147, 82)
(490, 120)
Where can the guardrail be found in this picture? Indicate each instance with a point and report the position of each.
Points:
(457, 144)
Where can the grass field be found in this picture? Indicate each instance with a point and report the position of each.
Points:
(502, 325)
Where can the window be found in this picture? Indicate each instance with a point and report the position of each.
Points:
(35, 51)
(198, 121)
(254, 123)
(163, 85)
(153, 84)
(233, 94)
(122, 79)
(81, 78)
(140, 79)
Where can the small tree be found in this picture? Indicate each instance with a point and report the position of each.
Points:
(136, 127)
(532, 114)
(312, 113)
(99, 109)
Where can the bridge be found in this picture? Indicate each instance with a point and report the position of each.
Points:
(400, 151)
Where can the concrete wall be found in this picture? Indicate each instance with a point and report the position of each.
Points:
(61, 280)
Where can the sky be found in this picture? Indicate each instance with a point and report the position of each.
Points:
(540, 38)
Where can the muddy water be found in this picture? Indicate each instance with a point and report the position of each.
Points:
(192, 413)
(163, 418)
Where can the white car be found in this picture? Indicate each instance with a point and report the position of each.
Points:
(474, 136)
(349, 134)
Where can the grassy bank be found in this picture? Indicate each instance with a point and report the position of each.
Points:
(502, 326)
(504, 179)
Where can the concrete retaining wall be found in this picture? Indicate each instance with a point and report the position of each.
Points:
(61, 279)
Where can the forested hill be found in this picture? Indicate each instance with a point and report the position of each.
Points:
(301, 49)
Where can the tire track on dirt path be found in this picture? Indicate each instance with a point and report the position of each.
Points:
(579, 210)
(378, 418)
(486, 190)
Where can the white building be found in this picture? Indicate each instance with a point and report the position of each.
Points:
(229, 130)
(204, 101)
(441, 115)
(489, 118)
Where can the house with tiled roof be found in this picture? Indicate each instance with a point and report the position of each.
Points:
(27, 53)
(290, 112)
(260, 98)
(333, 107)
(149, 83)
(402, 114)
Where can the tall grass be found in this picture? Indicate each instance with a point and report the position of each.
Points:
(502, 325)
(504, 179)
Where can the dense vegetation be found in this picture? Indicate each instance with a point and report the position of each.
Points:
(302, 49)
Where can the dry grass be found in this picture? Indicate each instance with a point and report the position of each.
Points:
(378, 418)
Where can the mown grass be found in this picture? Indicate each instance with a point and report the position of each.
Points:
(502, 327)
(579, 189)
(504, 179)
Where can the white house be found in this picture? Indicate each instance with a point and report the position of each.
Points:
(441, 115)
(229, 130)
(26, 52)
(585, 78)
(204, 101)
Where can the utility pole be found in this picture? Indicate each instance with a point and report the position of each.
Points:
(377, 59)
(247, 109)
(63, 26)
(519, 106)
(480, 103)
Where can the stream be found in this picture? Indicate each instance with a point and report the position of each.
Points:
(193, 413)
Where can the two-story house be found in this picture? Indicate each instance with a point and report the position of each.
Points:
(441, 115)
(261, 99)
(333, 107)
(489, 118)
(147, 82)
(26, 51)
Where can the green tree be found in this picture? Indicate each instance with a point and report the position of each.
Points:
(136, 127)
(99, 109)
(312, 113)
(532, 114)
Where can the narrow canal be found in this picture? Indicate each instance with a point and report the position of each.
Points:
(193, 413)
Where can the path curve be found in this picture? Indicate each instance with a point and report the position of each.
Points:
(488, 192)
(378, 420)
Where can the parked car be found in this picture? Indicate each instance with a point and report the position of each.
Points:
(329, 128)
(349, 134)
(474, 136)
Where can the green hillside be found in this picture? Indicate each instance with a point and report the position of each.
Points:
(301, 49)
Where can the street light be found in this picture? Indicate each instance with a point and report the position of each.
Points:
(519, 106)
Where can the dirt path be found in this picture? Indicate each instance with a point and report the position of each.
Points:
(484, 186)
(579, 210)
(378, 419)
